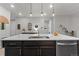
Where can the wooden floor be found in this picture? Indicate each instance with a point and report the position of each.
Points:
(2, 51)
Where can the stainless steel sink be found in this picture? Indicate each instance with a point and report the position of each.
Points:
(33, 37)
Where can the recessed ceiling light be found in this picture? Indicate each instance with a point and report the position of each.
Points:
(51, 6)
(12, 5)
(20, 14)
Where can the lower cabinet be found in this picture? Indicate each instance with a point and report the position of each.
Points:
(30, 48)
(47, 51)
(9, 51)
(78, 48)
(39, 51)
(30, 51)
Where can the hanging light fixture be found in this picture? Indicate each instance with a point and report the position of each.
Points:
(30, 9)
(41, 9)
(53, 13)
(51, 6)
(20, 14)
(41, 13)
(3, 19)
(12, 6)
(30, 13)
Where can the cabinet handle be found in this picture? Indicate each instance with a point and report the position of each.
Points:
(12, 43)
(66, 43)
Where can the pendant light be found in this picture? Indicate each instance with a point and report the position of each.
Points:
(3, 19)
(53, 13)
(54, 20)
(30, 9)
(41, 9)
(51, 6)
(12, 6)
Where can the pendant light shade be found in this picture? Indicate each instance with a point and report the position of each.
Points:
(30, 9)
(41, 13)
(30, 13)
(53, 13)
(3, 20)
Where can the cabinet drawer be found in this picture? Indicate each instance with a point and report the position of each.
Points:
(48, 51)
(39, 43)
(47, 43)
(9, 51)
(30, 43)
(30, 51)
(12, 43)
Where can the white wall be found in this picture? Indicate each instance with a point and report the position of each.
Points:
(69, 21)
(6, 32)
(60, 19)
(12, 27)
(34, 20)
(75, 24)
(63, 20)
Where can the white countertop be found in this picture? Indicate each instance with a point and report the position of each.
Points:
(26, 37)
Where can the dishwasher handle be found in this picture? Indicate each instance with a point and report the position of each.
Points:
(66, 43)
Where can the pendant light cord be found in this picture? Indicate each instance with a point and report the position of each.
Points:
(31, 8)
(53, 8)
(41, 7)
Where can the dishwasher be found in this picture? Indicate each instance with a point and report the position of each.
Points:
(66, 48)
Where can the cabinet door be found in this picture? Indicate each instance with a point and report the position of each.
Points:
(47, 51)
(78, 48)
(12, 51)
(30, 51)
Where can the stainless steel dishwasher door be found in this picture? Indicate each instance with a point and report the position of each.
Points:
(66, 48)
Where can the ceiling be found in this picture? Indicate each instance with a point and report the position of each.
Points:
(60, 9)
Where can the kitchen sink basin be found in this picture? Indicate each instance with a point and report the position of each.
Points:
(33, 37)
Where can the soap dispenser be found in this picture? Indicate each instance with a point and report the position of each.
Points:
(48, 34)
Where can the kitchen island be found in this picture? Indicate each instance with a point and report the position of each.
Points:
(22, 45)
(52, 37)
